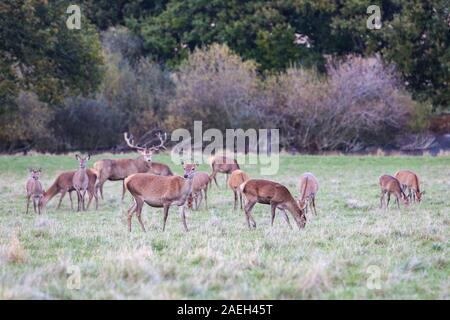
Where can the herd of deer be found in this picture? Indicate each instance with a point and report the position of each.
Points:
(154, 183)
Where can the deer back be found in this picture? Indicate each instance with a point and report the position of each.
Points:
(308, 185)
(408, 178)
(159, 169)
(237, 178)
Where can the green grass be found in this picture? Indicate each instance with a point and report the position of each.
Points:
(219, 257)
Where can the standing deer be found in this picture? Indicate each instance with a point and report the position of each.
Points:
(274, 194)
(35, 190)
(119, 169)
(308, 190)
(389, 185)
(159, 192)
(237, 178)
(64, 183)
(80, 181)
(199, 190)
(222, 164)
(410, 183)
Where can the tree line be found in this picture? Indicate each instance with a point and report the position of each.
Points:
(311, 68)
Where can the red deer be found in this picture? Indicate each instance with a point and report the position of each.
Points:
(80, 181)
(237, 178)
(274, 194)
(119, 169)
(308, 190)
(389, 185)
(35, 190)
(199, 190)
(410, 183)
(222, 164)
(159, 192)
(64, 183)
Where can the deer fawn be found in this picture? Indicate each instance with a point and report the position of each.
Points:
(199, 187)
(64, 183)
(80, 181)
(35, 190)
(274, 194)
(389, 185)
(308, 190)
(410, 183)
(237, 178)
(159, 192)
(119, 169)
(222, 164)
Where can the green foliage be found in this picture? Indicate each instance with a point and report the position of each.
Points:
(39, 53)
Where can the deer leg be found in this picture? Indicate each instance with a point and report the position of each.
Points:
(200, 200)
(28, 202)
(286, 218)
(235, 199)
(84, 199)
(240, 199)
(388, 199)
(139, 205)
(63, 193)
(206, 197)
(130, 213)
(166, 214)
(314, 205)
(248, 207)
(382, 199)
(183, 218)
(273, 207)
(123, 189)
(34, 204)
(91, 195)
(71, 202)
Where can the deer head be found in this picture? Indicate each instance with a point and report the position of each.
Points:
(145, 151)
(83, 161)
(189, 169)
(35, 174)
(419, 195)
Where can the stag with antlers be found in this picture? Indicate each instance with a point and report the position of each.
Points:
(119, 169)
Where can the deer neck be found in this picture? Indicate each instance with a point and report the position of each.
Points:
(50, 193)
(187, 187)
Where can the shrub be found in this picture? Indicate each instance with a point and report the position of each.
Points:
(216, 86)
(359, 104)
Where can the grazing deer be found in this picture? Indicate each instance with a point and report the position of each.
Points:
(389, 185)
(308, 190)
(80, 181)
(237, 178)
(159, 192)
(274, 194)
(410, 183)
(64, 183)
(222, 164)
(35, 190)
(199, 187)
(119, 169)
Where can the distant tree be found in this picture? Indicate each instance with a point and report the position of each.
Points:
(39, 53)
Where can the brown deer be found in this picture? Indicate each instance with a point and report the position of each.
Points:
(237, 178)
(159, 192)
(222, 164)
(274, 194)
(119, 169)
(80, 181)
(410, 183)
(308, 190)
(199, 190)
(35, 190)
(64, 183)
(389, 185)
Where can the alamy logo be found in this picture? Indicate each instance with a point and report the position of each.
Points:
(74, 20)
(374, 20)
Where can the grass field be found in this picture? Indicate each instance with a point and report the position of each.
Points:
(350, 250)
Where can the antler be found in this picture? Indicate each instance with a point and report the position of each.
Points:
(130, 141)
(162, 141)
